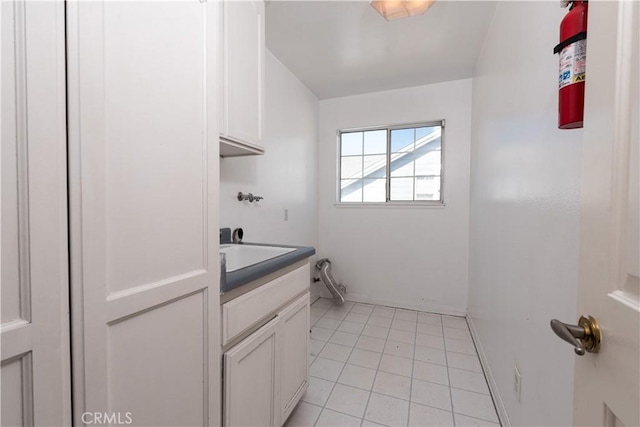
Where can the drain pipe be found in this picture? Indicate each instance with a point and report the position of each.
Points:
(337, 289)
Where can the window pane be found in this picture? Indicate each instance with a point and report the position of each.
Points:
(427, 188)
(431, 132)
(375, 166)
(375, 142)
(401, 139)
(351, 143)
(374, 190)
(401, 188)
(428, 162)
(351, 190)
(402, 164)
(351, 167)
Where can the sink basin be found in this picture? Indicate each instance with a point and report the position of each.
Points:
(241, 256)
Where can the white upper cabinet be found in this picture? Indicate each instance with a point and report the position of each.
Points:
(242, 77)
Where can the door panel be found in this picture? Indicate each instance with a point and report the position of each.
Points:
(154, 134)
(11, 258)
(35, 326)
(144, 189)
(293, 339)
(149, 363)
(607, 384)
(250, 378)
(16, 392)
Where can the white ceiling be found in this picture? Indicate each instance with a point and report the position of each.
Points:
(340, 48)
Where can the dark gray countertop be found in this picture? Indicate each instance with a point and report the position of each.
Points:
(235, 279)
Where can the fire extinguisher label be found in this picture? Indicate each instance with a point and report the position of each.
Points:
(572, 63)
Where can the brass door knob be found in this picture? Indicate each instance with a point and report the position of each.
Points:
(585, 336)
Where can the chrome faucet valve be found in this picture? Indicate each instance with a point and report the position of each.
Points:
(250, 197)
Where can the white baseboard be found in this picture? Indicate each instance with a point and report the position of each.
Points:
(493, 387)
(410, 305)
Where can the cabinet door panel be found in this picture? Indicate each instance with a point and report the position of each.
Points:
(243, 23)
(250, 380)
(293, 341)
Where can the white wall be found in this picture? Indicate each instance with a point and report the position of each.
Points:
(524, 214)
(286, 175)
(406, 257)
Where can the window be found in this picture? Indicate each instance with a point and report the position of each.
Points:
(393, 164)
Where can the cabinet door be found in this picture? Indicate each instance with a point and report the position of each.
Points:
(143, 168)
(243, 70)
(293, 342)
(250, 380)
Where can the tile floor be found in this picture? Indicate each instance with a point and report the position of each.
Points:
(373, 365)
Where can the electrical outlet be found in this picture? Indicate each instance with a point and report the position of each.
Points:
(517, 382)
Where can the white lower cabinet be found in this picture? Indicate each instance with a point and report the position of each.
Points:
(266, 373)
(293, 342)
(251, 370)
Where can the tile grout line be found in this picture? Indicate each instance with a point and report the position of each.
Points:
(406, 358)
(341, 370)
(413, 364)
(366, 406)
(336, 381)
(334, 410)
(403, 376)
(325, 342)
(459, 316)
(421, 404)
(435, 348)
(471, 391)
(374, 377)
(380, 361)
(340, 373)
(484, 374)
(377, 368)
(446, 361)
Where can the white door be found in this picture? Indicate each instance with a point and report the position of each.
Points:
(607, 384)
(35, 299)
(143, 158)
(293, 345)
(251, 380)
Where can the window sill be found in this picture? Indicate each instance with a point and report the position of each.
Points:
(394, 205)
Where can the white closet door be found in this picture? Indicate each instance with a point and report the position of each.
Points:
(35, 322)
(143, 142)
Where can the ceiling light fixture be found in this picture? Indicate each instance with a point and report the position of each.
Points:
(396, 9)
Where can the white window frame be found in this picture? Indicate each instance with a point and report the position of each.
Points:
(391, 203)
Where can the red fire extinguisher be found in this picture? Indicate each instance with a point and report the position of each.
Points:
(573, 55)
